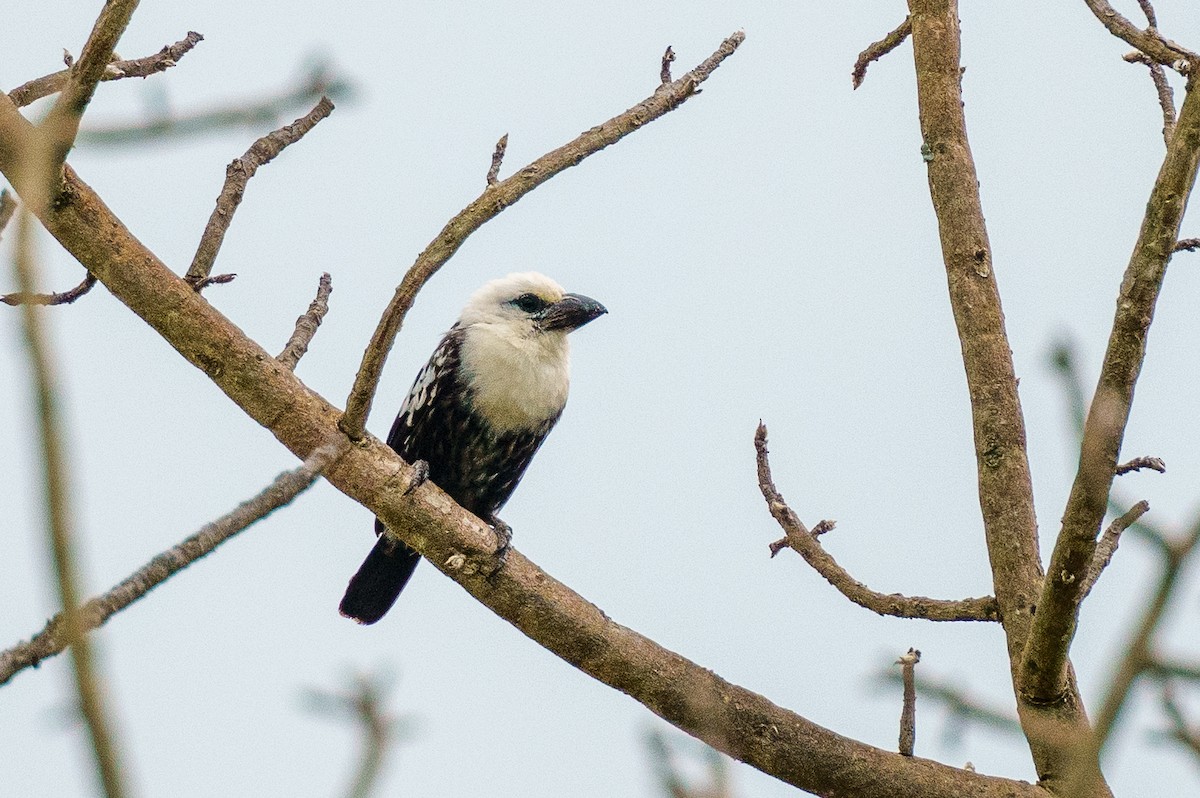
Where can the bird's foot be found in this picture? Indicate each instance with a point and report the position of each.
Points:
(420, 475)
(503, 534)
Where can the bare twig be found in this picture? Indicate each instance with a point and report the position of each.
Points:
(306, 325)
(908, 713)
(497, 159)
(1150, 42)
(237, 174)
(1138, 463)
(664, 74)
(1109, 541)
(1148, 10)
(494, 199)
(53, 639)
(1166, 95)
(60, 298)
(805, 543)
(1188, 244)
(1044, 663)
(62, 122)
(55, 478)
(161, 61)
(253, 113)
(879, 49)
(365, 702)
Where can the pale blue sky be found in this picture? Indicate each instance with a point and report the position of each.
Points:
(766, 251)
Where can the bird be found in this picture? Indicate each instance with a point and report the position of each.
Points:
(476, 414)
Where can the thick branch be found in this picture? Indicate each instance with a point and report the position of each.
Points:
(1150, 42)
(60, 524)
(237, 175)
(53, 639)
(161, 61)
(806, 544)
(739, 722)
(495, 198)
(306, 325)
(877, 50)
(1043, 667)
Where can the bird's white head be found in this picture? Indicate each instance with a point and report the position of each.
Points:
(515, 356)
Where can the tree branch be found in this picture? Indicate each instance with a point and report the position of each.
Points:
(161, 61)
(494, 199)
(55, 478)
(59, 298)
(61, 124)
(735, 720)
(908, 713)
(1166, 96)
(54, 638)
(1043, 668)
(1109, 541)
(306, 325)
(237, 175)
(877, 50)
(1150, 42)
(806, 544)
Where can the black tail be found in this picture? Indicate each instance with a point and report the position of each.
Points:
(381, 577)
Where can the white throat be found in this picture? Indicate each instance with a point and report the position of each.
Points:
(519, 378)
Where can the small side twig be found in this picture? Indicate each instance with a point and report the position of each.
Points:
(668, 58)
(306, 325)
(1151, 42)
(493, 173)
(1148, 10)
(879, 49)
(1186, 244)
(806, 544)
(1181, 731)
(1138, 463)
(1166, 95)
(161, 61)
(962, 707)
(1109, 541)
(237, 175)
(60, 298)
(908, 713)
(94, 613)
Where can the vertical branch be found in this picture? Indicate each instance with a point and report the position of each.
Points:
(1005, 489)
(908, 712)
(58, 514)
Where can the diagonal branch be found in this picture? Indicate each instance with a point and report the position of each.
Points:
(61, 125)
(494, 199)
(1166, 96)
(1043, 667)
(306, 325)
(1109, 542)
(1150, 42)
(735, 720)
(161, 61)
(237, 175)
(806, 544)
(877, 50)
(53, 639)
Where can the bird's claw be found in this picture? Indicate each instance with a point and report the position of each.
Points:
(503, 534)
(420, 475)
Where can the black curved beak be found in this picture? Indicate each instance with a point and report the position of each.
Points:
(570, 313)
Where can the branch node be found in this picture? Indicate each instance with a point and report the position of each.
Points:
(497, 158)
(665, 73)
(877, 50)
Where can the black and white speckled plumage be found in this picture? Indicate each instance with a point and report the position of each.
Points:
(477, 413)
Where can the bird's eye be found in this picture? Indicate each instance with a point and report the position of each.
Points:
(530, 303)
